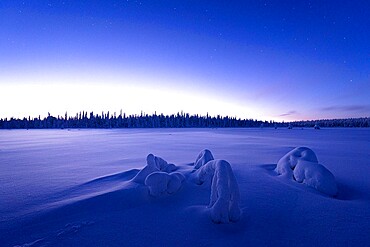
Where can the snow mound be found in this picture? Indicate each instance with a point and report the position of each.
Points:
(317, 176)
(154, 164)
(302, 165)
(157, 176)
(287, 163)
(225, 197)
(160, 163)
(203, 158)
(160, 183)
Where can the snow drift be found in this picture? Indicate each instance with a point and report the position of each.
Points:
(302, 165)
(225, 197)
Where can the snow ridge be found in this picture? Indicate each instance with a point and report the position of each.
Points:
(302, 165)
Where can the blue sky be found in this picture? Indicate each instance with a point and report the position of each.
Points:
(271, 60)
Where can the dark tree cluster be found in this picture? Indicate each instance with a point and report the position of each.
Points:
(107, 120)
(179, 120)
(347, 122)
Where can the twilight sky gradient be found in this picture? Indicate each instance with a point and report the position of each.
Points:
(270, 60)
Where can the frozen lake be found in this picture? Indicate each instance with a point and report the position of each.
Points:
(43, 172)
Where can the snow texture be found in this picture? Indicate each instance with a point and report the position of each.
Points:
(76, 188)
(317, 176)
(154, 164)
(203, 158)
(160, 183)
(288, 162)
(225, 197)
(302, 165)
(157, 176)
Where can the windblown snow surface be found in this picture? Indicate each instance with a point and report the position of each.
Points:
(89, 188)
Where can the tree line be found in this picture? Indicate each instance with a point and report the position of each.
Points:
(107, 120)
(346, 122)
(179, 120)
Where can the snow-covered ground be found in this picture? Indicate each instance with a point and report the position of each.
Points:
(76, 188)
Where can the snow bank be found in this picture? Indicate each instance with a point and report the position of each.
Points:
(302, 165)
(225, 197)
(160, 183)
(203, 158)
(154, 164)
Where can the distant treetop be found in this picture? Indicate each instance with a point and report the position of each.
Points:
(179, 120)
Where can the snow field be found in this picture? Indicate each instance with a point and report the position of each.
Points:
(53, 182)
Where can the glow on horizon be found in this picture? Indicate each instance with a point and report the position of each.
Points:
(94, 88)
(34, 97)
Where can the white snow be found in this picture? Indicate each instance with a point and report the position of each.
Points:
(203, 158)
(225, 197)
(161, 182)
(302, 165)
(157, 176)
(175, 182)
(154, 164)
(317, 176)
(77, 188)
(287, 163)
